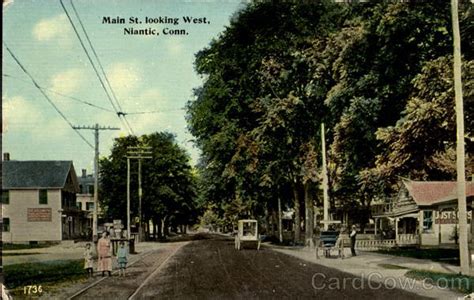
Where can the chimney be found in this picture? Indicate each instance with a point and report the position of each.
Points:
(84, 172)
(6, 156)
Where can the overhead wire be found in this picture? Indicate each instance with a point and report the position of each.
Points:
(95, 69)
(92, 104)
(121, 112)
(153, 111)
(45, 95)
(96, 56)
(61, 94)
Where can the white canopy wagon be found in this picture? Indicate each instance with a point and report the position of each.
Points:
(247, 234)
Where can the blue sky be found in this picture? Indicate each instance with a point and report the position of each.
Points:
(147, 73)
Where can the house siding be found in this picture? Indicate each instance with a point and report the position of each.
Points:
(24, 230)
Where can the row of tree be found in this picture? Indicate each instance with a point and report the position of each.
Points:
(378, 75)
(168, 183)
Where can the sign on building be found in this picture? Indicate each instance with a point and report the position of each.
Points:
(39, 215)
(449, 217)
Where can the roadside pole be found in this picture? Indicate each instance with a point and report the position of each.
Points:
(280, 232)
(325, 180)
(128, 198)
(96, 129)
(460, 155)
(138, 153)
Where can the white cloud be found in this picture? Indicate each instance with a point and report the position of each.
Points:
(147, 123)
(20, 114)
(6, 3)
(67, 82)
(55, 28)
(124, 78)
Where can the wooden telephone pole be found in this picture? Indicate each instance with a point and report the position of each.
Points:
(136, 153)
(96, 129)
(460, 155)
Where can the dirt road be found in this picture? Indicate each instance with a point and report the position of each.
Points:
(213, 269)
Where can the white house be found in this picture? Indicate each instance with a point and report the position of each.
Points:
(39, 202)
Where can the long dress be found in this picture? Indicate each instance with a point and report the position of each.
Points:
(88, 259)
(105, 255)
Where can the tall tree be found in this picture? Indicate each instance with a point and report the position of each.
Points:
(169, 186)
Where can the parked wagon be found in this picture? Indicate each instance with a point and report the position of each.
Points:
(247, 234)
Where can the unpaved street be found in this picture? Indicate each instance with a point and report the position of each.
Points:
(213, 269)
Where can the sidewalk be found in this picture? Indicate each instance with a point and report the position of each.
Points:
(376, 268)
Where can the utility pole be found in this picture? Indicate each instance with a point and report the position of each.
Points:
(280, 227)
(96, 129)
(325, 180)
(136, 153)
(128, 198)
(460, 155)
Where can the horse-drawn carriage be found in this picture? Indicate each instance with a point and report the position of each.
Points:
(247, 234)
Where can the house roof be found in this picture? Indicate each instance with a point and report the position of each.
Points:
(36, 174)
(427, 193)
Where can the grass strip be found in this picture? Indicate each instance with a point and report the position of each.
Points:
(20, 275)
(450, 256)
(461, 283)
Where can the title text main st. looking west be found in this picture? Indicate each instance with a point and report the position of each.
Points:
(155, 20)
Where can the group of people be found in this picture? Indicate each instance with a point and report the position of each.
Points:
(104, 257)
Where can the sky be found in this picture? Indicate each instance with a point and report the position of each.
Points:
(147, 73)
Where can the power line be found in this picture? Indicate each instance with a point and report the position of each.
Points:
(101, 67)
(95, 69)
(96, 56)
(61, 94)
(94, 105)
(154, 111)
(44, 94)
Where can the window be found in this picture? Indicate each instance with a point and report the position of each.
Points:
(79, 205)
(427, 220)
(5, 197)
(90, 206)
(6, 225)
(90, 189)
(43, 197)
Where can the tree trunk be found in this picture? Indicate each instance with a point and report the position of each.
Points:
(274, 223)
(159, 228)
(297, 221)
(165, 227)
(268, 222)
(309, 215)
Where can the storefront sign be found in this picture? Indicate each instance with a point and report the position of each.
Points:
(39, 215)
(449, 217)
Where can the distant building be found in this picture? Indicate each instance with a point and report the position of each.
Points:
(85, 197)
(39, 201)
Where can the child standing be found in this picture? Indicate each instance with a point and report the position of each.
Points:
(122, 255)
(89, 260)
